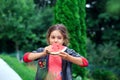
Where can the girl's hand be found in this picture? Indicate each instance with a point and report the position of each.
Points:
(47, 49)
(64, 55)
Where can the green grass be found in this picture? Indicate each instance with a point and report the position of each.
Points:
(25, 72)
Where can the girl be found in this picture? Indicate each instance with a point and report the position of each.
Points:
(57, 66)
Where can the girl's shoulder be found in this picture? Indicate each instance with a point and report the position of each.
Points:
(69, 50)
(38, 50)
(72, 52)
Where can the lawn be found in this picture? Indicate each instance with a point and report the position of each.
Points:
(23, 70)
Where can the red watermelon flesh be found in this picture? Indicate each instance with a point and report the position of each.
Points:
(56, 48)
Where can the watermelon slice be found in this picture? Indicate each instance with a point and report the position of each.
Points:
(57, 48)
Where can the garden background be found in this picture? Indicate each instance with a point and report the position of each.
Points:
(93, 26)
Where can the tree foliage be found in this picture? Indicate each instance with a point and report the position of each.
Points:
(45, 3)
(17, 20)
(103, 21)
(72, 15)
(23, 24)
(103, 29)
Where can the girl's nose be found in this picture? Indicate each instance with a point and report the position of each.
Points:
(56, 40)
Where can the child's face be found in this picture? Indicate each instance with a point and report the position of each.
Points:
(56, 37)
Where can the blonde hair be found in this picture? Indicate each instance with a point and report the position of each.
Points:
(62, 30)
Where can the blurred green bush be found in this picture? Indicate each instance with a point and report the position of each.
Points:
(103, 61)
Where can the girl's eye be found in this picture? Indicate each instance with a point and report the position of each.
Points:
(52, 37)
(59, 37)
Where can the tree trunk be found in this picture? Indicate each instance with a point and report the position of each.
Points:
(17, 51)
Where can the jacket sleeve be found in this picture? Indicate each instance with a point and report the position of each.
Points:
(85, 62)
(72, 52)
(75, 54)
(25, 56)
